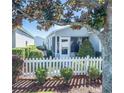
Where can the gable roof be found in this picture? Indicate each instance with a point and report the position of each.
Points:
(58, 30)
(68, 26)
(24, 31)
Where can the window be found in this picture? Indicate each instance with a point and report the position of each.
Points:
(64, 40)
(64, 50)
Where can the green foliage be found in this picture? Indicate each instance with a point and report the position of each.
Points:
(41, 47)
(28, 49)
(27, 52)
(94, 73)
(19, 51)
(98, 54)
(61, 13)
(32, 47)
(35, 54)
(97, 19)
(49, 53)
(86, 49)
(41, 75)
(66, 73)
(17, 63)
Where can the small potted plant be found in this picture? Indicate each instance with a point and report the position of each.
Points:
(41, 75)
(67, 74)
(94, 73)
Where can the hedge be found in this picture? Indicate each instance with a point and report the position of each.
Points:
(28, 52)
(35, 54)
(49, 53)
(19, 51)
(32, 47)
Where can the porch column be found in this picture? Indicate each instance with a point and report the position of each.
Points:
(100, 47)
(69, 50)
(60, 46)
(55, 46)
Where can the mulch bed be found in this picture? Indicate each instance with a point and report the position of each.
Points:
(56, 85)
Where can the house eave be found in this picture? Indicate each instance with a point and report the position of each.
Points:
(24, 31)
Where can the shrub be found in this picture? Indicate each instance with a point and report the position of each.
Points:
(43, 47)
(40, 47)
(49, 53)
(41, 75)
(17, 63)
(86, 49)
(32, 47)
(98, 54)
(35, 54)
(19, 51)
(94, 73)
(66, 73)
(27, 51)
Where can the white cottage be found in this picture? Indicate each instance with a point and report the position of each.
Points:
(65, 42)
(21, 38)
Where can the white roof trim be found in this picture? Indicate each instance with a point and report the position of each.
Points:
(24, 30)
(58, 30)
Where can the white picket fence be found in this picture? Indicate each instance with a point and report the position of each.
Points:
(79, 65)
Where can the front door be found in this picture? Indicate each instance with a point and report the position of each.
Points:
(64, 46)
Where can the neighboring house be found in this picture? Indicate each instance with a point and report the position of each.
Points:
(21, 38)
(39, 41)
(65, 42)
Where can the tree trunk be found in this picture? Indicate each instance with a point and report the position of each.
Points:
(106, 40)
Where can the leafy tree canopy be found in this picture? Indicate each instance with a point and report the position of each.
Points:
(47, 13)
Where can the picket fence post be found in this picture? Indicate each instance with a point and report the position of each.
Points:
(79, 65)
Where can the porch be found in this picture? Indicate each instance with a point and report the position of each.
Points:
(66, 42)
(68, 46)
(62, 46)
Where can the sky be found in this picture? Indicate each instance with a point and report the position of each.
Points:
(31, 28)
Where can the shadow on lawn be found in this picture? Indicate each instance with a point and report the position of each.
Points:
(56, 85)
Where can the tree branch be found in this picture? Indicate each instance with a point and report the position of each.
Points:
(52, 21)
